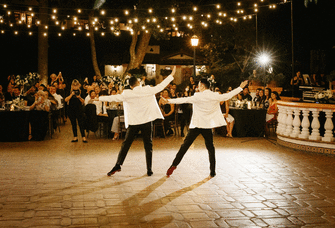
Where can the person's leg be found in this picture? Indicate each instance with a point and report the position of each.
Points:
(132, 130)
(73, 121)
(231, 128)
(208, 136)
(190, 137)
(146, 130)
(81, 118)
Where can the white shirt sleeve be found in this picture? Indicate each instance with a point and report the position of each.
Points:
(111, 98)
(227, 96)
(181, 100)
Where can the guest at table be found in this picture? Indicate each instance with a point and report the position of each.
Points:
(50, 98)
(29, 95)
(267, 100)
(192, 85)
(39, 116)
(2, 97)
(16, 92)
(111, 87)
(245, 95)
(9, 94)
(113, 104)
(75, 110)
(273, 109)
(229, 118)
(167, 111)
(57, 97)
(257, 97)
(261, 99)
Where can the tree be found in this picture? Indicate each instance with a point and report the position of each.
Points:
(43, 42)
(92, 42)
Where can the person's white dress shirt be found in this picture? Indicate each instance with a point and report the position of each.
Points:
(206, 108)
(139, 104)
(59, 99)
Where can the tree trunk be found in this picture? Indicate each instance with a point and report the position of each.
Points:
(43, 42)
(93, 50)
(138, 49)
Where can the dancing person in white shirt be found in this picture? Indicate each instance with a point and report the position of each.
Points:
(140, 110)
(206, 115)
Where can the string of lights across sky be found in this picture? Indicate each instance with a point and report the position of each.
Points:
(19, 19)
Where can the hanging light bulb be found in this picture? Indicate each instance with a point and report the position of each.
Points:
(102, 12)
(79, 10)
(54, 10)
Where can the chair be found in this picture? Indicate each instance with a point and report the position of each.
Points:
(159, 123)
(271, 126)
(175, 124)
(120, 113)
(91, 118)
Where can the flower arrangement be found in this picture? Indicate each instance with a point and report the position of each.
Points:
(117, 80)
(26, 81)
(323, 95)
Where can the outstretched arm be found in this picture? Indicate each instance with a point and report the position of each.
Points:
(227, 96)
(111, 98)
(164, 83)
(181, 100)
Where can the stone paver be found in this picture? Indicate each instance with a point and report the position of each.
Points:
(56, 183)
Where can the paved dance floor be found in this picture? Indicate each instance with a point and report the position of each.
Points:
(56, 183)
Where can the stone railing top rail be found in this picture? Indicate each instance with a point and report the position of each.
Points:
(306, 105)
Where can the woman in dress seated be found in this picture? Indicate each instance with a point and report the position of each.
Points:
(229, 118)
(267, 99)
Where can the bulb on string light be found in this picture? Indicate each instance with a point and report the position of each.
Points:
(16, 32)
(4, 6)
(218, 6)
(96, 28)
(30, 33)
(126, 12)
(150, 10)
(53, 17)
(195, 8)
(11, 24)
(79, 10)
(102, 34)
(59, 34)
(2, 31)
(46, 27)
(57, 22)
(88, 34)
(74, 34)
(45, 34)
(28, 26)
(32, 14)
(184, 17)
(38, 22)
(102, 12)
(116, 20)
(161, 30)
(63, 27)
(190, 18)
(9, 13)
(135, 20)
(30, 9)
(239, 4)
(54, 11)
(80, 28)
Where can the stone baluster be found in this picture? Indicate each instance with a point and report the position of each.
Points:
(304, 124)
(289, 121)
(315, 125)
(329, 126)
(296, 123)
(281, 120)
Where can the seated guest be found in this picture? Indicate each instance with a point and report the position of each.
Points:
(167, 111)
(2, 97)
(88, 97)
(39, 116)
(116, 126)
(16, 92)
(273, 109)
(113, 105)
(267, 98)
(257, 97)
(229, 118)
(29, 95)
(245, 95)
(9, 94)
(58, 97)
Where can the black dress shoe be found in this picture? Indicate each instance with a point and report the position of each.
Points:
(149, 172)
(74, 140)
(117, 168)
(85, 141)
(170, 170)
(213, 174)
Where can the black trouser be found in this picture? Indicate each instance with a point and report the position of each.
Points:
(75, 115)
(191, 136)
(132, 130)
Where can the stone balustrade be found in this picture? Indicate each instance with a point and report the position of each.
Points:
(306, 126)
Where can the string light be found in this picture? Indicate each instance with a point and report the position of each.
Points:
(170, 21)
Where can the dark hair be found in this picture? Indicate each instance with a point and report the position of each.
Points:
(91, 91)
(270, 91)
(103, 93)
(132, 81)
(205, 82)
(277, 95)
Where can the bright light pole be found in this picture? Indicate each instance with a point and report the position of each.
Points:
(194, 43)
(264, 60)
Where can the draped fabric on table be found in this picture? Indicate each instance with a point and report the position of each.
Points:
(39, 121)
(248, 122)
(14, 126)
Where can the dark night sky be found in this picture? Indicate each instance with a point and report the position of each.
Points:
(313, 30)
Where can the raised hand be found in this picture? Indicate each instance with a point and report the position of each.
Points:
(243, 84)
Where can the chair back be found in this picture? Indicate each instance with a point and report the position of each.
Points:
(91, 118)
